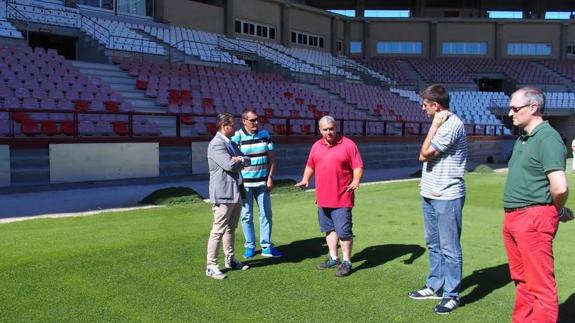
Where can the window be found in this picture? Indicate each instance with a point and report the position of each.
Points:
(529, 49)
(559, 14)
(349, 13)
(355, 47)
(399, 47)
(571, 49)
(306, 39)
(254, 29)
(131, 7)
(505, 14)
(387, 13)
(464, 48)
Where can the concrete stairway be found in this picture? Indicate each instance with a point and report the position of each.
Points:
(125, 85)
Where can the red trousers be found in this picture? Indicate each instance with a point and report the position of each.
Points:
(528, 235)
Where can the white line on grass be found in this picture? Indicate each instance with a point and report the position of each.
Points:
(96, 212)
(76, 214)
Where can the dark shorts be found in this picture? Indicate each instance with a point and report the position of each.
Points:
(338, 220)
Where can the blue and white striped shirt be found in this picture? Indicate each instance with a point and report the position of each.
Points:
(442, 177)
(256, 146)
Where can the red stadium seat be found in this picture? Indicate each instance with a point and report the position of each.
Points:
(50, 128)
(30, 128)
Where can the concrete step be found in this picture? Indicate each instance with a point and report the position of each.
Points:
(125, 87)
(96, 66)
(147, 104)
(131, 94)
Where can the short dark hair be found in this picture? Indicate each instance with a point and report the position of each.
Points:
(436, 93)
(224, 119)
(248, 111)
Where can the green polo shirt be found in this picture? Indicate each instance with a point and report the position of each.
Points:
(534, 156)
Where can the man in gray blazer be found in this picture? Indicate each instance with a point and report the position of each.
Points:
(225, 160)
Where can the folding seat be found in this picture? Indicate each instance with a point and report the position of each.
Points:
(30, 128)
(67, 128)
(81, 105)
(86, 128)
(120, 128)
(21, 93)
(112, 106)
(104, 128)
(50, 128)
(4, 127)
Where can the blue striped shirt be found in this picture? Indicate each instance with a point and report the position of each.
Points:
(442, 177)
(256, 146)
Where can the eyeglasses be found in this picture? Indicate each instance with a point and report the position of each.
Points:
(516, 109)
(254, 120)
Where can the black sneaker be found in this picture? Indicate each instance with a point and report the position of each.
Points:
(423, 293)
(447, 305)
(344, 269)
(329, 263)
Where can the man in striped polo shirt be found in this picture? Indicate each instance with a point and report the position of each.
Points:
(258, 183)
(444, 155)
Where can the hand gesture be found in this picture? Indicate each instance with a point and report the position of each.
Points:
(302, 184)
(440, 118)
(352, 186)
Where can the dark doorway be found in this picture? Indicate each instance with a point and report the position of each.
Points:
(490, 85)
(66, 46)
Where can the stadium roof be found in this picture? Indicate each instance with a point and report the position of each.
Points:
(481, 5)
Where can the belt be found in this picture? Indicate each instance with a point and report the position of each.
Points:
(513, 209)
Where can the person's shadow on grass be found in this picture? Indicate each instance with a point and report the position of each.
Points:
(378, 255)
(294, 252)
(485, 280)
(567, 310)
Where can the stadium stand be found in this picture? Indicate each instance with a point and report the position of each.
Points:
(35, 79)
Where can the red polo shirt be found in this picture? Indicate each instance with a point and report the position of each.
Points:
(333, 168)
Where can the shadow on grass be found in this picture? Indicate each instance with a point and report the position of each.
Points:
(378, 255)
(294, 252)
(567, 310)
(485, 280)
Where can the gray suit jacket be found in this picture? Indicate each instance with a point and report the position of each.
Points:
(224, 172)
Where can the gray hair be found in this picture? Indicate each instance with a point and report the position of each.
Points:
(327, 119)
(224, 119)
(533, 95)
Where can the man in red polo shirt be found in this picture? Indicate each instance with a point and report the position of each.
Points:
(338, 168)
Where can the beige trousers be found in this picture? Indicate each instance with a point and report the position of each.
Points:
(226, 217)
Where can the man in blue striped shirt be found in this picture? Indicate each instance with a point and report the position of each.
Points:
(258, 183)
(444, 155)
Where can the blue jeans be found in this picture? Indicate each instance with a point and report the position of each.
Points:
(442, 220)
(262, 197)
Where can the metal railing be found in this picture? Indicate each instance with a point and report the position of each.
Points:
(284, 128)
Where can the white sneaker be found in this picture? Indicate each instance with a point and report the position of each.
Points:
(214, 272)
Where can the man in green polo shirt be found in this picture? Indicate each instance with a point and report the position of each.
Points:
(535, 195)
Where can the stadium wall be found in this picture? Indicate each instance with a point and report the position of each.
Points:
(193, 15)
(102, 161)
(399, 31)
(80, 162)
(4, 165)
(286, 17)
(457, 31)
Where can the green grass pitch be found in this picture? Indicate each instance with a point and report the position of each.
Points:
(148, 265)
